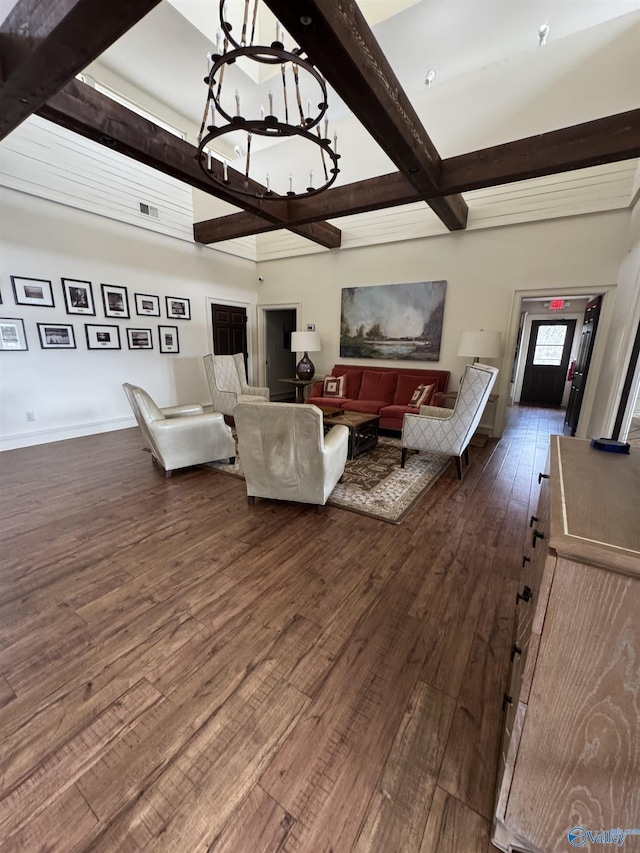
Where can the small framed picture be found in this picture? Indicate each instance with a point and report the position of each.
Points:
(168, 337)
(78, 296)
(178, 308)
(56, 336)
(12, 334)
(149, 305)
(115, 300)
(32, 291)
(139, 339)
(102, 337)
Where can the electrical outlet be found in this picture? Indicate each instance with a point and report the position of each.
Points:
(311, 327)
(31, 416)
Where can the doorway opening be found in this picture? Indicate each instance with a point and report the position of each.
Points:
(548, 334)
(279, 362)
(547, 360)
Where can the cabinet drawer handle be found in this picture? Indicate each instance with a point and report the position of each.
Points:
(515, 650)
(532, 519)
(542, 477)
(525, 595)
(506, 700)
(536, 535)
(525, 560)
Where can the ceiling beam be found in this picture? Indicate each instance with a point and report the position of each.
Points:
(359, 197)
(89, 113)
(44, 45)
(593, 143)
(339, 40)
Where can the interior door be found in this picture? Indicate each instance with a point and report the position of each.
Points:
(579, 380)
(280, 361)
(229, 324)
(547, 361)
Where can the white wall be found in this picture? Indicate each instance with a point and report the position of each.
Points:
(484, 270)
(78, 392)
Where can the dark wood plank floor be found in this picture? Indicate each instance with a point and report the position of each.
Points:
(182, 672)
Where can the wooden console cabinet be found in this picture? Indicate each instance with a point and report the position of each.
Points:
(570, 753)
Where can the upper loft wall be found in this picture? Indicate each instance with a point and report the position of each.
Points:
(42, 159)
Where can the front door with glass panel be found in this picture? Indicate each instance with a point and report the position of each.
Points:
(545, 370)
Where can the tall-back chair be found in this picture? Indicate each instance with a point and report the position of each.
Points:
(449, 431)
(180, 436)
(285, 454)
(228, 382)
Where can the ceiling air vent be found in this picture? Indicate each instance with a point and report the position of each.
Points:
(148, 210)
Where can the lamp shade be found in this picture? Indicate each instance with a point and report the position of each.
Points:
(305, 342)
(478, 343)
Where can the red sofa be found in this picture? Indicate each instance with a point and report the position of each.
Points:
(384, 391)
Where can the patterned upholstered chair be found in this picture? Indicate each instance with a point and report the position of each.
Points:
(228, 383)
(285, 454)
(449, 431)
(180, 436)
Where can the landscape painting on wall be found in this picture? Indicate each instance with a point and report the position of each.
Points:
(394, 321)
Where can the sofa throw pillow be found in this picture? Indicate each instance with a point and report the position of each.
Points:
(334, 386)
(421, 396)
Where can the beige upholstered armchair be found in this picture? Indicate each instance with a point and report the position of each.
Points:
(449, 431)
(228, 382)
(180, 436)
(285, 454)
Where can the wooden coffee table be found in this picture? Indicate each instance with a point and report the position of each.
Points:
(363, 429)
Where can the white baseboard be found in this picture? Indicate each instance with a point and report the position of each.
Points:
(45, 436)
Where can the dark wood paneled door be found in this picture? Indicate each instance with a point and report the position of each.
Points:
(579, 379)
(547, 361)
(229, 330)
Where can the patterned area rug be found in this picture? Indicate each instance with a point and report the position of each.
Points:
(374, 484)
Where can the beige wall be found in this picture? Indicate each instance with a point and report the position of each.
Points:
(487, 273)
(77, 392)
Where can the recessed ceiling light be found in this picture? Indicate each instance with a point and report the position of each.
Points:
(431, 76)
(543, 33)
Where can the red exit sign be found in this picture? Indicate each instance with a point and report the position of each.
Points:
(556, 304)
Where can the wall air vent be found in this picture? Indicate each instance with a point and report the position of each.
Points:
(148, 210)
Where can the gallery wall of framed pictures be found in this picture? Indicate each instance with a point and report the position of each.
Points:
(78, 298)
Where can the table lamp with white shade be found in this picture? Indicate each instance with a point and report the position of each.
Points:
(479, 344)
(305, 342)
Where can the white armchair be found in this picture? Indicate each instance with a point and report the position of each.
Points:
(180, 436)
(228, 382)
(285, 454)
(449, 431)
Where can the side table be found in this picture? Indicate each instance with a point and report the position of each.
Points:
(301, 384)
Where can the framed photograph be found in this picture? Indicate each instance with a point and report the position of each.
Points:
(139, 339)
(78, 296)
(115, 301)
(178, 308)
(149, 305)
(56, 336)
(32, 291)
(102, 337)
(12, 334)
(168, 337)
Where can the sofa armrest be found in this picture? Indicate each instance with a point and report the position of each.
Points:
(435, 412)
(184, 409)
(189, 425)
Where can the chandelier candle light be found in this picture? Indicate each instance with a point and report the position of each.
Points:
(297, 74)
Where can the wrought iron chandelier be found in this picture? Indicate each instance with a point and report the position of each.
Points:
(286, 117)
